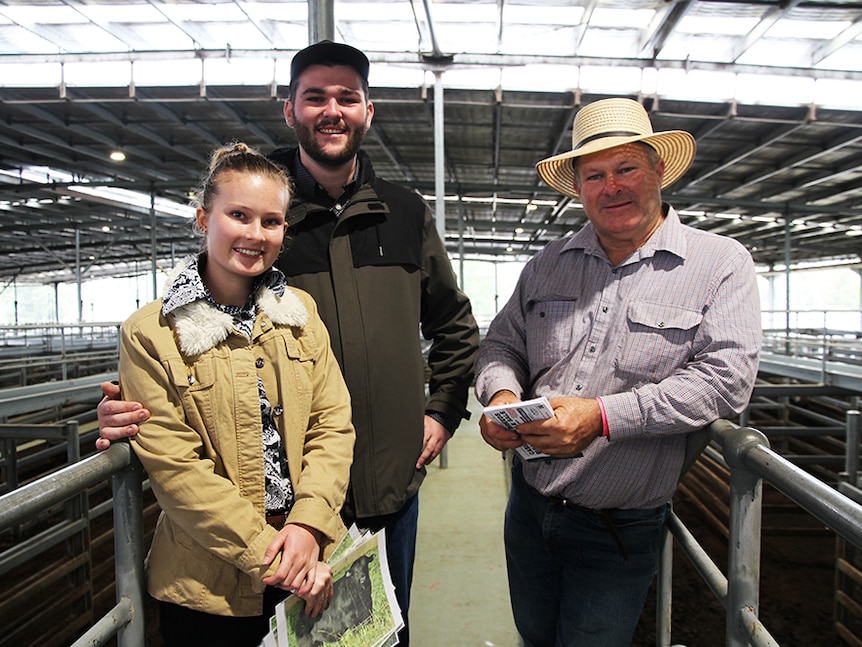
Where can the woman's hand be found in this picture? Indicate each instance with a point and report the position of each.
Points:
(320, 594)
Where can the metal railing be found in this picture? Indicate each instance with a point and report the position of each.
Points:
(744, 451)
(126, 619)
(747, 455)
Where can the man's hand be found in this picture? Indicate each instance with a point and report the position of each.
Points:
(576, 423)
(435, 438)
(117, 418)
(299, 548)
(495, 435)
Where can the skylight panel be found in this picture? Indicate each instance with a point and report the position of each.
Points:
(773, 52)
(839, 93)
(101, 74)
(697, 85)
(30, 75)
(774, 90)
(149, 37)
(278, 11)
(610, 43)
(394, 76)
(168, 72)
(538, 15)
(807, 29)
(473, 38)
(374, 11)
(703, 47)
(242, 35)
(14, 40)
(848, 57)
(122, 13)
(621, 18)
(464, 13)
(45, 15)
(610, 80)
(392, 36)
(536, 40)
(722, 25)
(209, 12)
(237, 71)
(541, 78)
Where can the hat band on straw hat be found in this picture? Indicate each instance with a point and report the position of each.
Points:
(621, 133)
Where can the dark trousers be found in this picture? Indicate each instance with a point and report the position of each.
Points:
(182, 627)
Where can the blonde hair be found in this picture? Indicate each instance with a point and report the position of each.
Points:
(239, 157)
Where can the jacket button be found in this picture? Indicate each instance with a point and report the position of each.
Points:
(259, 362)
(277, 410)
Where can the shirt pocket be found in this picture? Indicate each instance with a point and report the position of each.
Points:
(658, 340)
(551, 326)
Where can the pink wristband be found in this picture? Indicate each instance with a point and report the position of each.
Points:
(605, 430)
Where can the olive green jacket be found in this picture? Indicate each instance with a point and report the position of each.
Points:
(202, 446)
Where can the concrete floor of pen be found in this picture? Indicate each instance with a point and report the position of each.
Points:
(460, 593)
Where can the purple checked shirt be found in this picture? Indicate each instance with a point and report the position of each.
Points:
(669, 339)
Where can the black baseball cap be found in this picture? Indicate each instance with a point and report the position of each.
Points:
(328, 53)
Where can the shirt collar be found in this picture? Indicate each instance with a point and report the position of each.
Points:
(308, 188)
(188, 287)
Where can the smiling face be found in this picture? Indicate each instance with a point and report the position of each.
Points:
(245, 226)
(620, 189)
(330, 113)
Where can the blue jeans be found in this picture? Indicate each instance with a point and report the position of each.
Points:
(401, 529)
(569, 582)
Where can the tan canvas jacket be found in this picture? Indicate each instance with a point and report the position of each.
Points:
(202, 446)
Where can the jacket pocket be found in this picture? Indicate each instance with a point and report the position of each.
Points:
(195, 384)
(658, 340)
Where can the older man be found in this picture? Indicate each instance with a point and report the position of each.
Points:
(639, 330)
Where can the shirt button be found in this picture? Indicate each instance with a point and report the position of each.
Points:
(661, 324)
(263, 324)
(592, 349)
(541, 314)
(604, 308)
(259, 362)
(578, 387)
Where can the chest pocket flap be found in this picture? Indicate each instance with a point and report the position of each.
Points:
(194, 377)
(663, 316)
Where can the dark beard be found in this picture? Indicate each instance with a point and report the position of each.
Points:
(308, 143)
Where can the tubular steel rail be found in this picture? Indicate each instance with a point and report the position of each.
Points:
(750, 460)
(745, 451)
(126, 619)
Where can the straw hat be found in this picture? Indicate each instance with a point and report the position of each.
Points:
(613, 122)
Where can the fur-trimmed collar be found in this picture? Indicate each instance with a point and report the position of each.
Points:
(200, 326)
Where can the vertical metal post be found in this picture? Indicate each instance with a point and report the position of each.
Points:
(78, 273)
(743, 562)
(154, 266)
(440, 189)
(787, 250)
(851, 449)
(129, 548)
(664, 591)
(439, 158)
(321, 21)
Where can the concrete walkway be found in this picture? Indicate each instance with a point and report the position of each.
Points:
(460, 593)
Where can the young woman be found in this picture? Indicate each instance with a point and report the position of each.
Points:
(249, 443)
